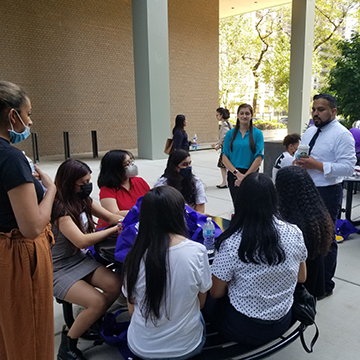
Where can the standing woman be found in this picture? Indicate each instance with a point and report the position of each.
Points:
(300, 203)
(77, 276)
(166, 279)
(222, 115)
(26, 311)
(119, 185)
(180, 136)
(243, 149)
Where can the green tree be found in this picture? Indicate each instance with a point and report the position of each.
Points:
(276, 69)
(255, 49)
(244, 43)
(330, 21)
(344, 78)
(235, 36)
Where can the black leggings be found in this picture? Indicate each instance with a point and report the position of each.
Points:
(231, 180)
(235, 326)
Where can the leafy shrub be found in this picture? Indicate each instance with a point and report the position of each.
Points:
(268, 125)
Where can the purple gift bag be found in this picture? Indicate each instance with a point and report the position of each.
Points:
(194, 220)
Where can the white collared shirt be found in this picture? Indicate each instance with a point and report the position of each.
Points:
(335, 148)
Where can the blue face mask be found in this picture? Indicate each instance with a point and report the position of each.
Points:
(186, 172)
(15, 137)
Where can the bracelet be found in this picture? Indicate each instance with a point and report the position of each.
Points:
(120, 225)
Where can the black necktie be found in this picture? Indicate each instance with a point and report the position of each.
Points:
(312, 141)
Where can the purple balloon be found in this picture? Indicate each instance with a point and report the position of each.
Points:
(356, 134)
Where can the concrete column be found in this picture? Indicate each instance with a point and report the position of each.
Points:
(302, 34)
(152, 88)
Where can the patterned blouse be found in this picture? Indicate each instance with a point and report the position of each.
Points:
(261, 291)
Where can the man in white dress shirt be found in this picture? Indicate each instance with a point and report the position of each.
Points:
(331, 157)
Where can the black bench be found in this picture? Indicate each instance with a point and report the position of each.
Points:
(218, 348)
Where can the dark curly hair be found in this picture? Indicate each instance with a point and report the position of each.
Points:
(300, 203)
(187, 186)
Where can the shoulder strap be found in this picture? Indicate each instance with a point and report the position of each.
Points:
(313, 341)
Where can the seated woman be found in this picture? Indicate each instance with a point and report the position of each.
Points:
(76, 275)
(301, 204)
(166, 280)
(258, 262)
(178, 174)
(118, 183)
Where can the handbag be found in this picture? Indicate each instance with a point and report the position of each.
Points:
(169, 146)
(304, 310)
(115, 333)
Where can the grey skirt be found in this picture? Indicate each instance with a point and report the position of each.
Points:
(66, 276)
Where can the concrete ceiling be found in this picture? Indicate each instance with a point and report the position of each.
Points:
(236, 7)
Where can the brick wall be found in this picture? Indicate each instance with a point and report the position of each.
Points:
(75, 60)
(194, 65)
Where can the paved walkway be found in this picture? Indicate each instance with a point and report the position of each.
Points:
(338, 316)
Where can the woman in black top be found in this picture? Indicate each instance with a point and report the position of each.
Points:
(26, 311)
(180, 137)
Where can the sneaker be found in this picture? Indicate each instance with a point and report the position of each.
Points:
(339, 239)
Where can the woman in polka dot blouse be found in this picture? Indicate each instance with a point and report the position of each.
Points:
(258, 263)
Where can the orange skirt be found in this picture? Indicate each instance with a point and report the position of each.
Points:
(26, 297)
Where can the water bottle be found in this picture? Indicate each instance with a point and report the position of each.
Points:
(209, 236)
(195, 144)
(32, 167)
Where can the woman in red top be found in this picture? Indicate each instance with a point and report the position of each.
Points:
(119, 186)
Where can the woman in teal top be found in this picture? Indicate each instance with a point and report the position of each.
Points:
(243, 149)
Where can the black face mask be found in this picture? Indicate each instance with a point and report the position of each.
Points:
(85, 190)
(186, 172)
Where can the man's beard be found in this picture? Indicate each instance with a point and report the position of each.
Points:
(323, 123)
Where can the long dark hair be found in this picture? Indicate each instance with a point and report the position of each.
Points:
(301, 204)
(179, 123)
(112, 171)
(255, 216)
(187, 186)
(237, 127)
(161, 214)
(67, 201)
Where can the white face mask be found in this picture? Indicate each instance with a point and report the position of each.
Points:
(131, 171)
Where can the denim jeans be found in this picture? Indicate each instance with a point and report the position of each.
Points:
(196, 351)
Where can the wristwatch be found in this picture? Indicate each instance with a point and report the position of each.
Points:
(235, 172)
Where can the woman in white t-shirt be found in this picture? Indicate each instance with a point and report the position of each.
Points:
(166, 280)
(178, 174)
(258, 263)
